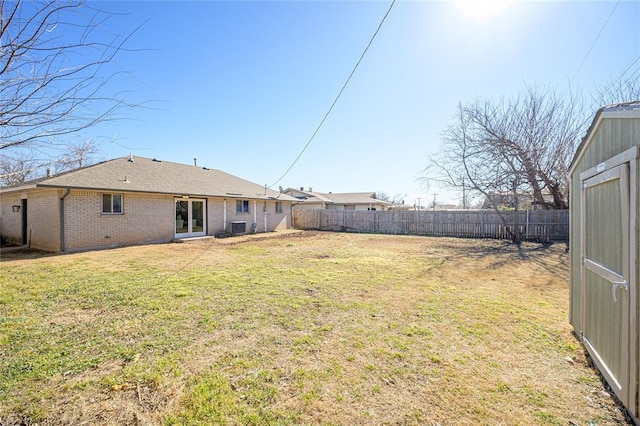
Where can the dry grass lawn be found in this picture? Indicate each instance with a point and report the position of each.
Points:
(306, 328)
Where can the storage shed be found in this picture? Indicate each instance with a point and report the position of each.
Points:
(604, 246)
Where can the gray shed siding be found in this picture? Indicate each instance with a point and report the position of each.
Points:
(612, 136)
(604, 213)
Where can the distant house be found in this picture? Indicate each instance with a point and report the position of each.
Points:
(401, 206)
(310, 200)
(524, 201)
(137, 200)
(447, 207)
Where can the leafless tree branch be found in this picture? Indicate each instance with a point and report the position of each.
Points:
(55, 73)
(511, 149)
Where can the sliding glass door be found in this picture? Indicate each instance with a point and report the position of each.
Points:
(190, 218)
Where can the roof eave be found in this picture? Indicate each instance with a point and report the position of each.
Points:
(17, 188)
(173, 194)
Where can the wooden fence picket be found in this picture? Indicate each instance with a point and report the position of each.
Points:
(537, 225)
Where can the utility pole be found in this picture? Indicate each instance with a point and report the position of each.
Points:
(434, 201)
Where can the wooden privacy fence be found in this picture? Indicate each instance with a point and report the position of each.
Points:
(538, 225)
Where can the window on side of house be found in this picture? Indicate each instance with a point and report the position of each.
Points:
(111, 204)
(242, 206)
(278, 206)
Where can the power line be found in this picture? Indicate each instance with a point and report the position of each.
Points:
(624, 72)
(337, 97)
(629, 77)
(594, 42)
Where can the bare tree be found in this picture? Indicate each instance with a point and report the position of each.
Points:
(15, 171)
(22, 168)
(625, 88)
(397, 198)
(79, 155)
(55, 70)
(511, 149)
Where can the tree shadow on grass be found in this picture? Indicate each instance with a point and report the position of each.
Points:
(507, 253)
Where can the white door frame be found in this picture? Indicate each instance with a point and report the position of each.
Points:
(189, 231)
(628, 174)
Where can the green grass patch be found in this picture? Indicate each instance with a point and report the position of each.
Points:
(320, 329)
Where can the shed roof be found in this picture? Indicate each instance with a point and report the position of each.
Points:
(622, 110)
(139, 174)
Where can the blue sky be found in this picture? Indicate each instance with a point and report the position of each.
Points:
(241, 86)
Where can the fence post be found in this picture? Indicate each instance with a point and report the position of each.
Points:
(406, 223)
(552, 225)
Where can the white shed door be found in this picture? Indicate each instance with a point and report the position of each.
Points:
(605, 277)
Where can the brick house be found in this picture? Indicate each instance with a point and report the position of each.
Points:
(137, 200)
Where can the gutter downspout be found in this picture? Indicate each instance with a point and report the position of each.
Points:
(224, 215)
(62, 242)
(255, 217)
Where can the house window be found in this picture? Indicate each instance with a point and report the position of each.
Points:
(278, 206)
(111, 204)
(242, 206)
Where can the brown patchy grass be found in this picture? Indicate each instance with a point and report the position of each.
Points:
(301, 328)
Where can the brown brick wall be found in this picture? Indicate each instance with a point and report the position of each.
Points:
(146, 218)
(43, 219)
(10, 221)
(257, 211)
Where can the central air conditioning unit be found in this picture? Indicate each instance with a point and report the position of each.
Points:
(238, 228)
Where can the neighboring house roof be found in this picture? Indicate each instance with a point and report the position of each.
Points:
(355, 198)
(401, 206)
(309, 197)
(154, 176)
(509, 200)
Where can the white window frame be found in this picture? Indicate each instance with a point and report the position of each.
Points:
(241, 205)
(111, 195)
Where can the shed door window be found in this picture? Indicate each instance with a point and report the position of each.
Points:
(111, 204)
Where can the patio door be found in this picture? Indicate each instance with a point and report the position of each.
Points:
(190, 218)
(606, 290)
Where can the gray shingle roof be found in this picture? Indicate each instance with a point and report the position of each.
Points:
(308, 196)
(337, 197)
(354, 198)
(163, 177)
